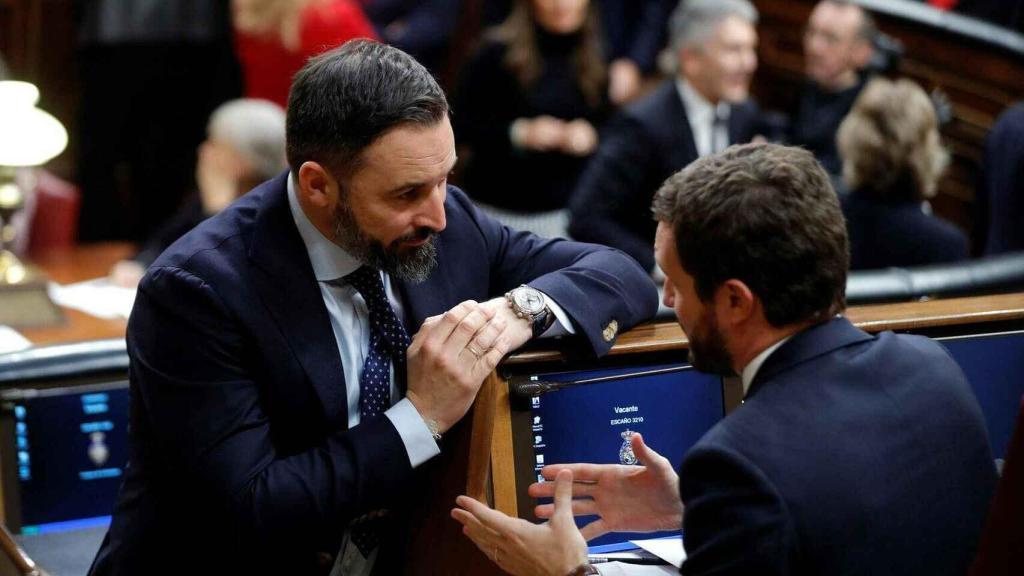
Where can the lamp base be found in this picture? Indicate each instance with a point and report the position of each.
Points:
(24, 298)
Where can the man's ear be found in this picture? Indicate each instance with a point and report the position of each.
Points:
(317, 186)
(735, 302)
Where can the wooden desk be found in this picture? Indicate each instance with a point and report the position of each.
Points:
(74, 265)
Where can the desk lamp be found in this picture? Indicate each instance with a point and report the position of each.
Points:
(28, 137)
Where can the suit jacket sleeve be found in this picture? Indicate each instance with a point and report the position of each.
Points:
(734, 521)
(613, 185)
(193, 372)
(593, 284)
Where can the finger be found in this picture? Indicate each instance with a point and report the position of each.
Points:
(563, 493)
(644, 454)
(486, 337)
(489, 361)
(547, 490)
(580, 507)
(484, 538)
(438, 330)
(594, 529)
(580, 472)
(491, 519)
(465, 331)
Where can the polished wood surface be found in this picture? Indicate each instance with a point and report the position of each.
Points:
(667, 335)
(74, 265)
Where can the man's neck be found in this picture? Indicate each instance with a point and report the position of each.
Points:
(698, 90)
(760, 340)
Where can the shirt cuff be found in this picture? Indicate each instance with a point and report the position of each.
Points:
(562, 324)
(418, 441)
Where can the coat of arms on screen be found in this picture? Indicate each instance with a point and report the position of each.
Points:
(626, 455)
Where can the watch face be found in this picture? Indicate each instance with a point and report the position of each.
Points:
(528, 300)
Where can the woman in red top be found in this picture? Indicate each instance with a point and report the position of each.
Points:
(274, 38)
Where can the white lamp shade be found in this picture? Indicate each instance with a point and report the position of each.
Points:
(28, 135)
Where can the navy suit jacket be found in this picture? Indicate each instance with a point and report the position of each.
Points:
(241, 461)
(885, 234)
(649, 141)
(851, 455)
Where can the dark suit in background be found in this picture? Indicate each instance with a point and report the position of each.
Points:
(817, 121)
(898, 233)
(649, 141)
(241, 461)
(852, 454)
(1001, 195)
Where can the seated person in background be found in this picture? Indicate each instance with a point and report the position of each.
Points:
(837, 48)
(274, 38)
(892, 162)
(1001, 195)
(851, 453)
(244, 146)
(528, 108)
(702, 111)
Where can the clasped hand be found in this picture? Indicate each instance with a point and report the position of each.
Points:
(452, 354)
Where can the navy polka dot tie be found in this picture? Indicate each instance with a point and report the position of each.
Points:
(388, 343)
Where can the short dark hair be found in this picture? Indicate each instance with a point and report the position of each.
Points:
(764, 214)
(345, 99)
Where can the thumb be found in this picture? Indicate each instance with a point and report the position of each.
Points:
(563, 494)
(644, 454)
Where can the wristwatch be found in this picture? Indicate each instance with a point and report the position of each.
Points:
(529, 303)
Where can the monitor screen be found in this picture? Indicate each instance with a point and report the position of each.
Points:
(590, 423)
(71, 449)
(994, 365)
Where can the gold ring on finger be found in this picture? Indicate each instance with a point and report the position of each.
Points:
(474, 352)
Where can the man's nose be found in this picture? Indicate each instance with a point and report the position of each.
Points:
(432, 215)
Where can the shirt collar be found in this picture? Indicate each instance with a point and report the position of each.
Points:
(698, 109)
(329, 260)
(750, 370)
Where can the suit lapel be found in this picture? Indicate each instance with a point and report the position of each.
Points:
(684, 149)
(286, 283)
(813, 342)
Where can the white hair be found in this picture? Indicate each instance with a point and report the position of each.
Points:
(256, 129)
(694, 21)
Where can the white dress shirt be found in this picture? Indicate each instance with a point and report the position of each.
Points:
(350, 322)
(701, 115)
(752, 367)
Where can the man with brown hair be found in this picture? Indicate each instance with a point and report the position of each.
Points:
(851, 454)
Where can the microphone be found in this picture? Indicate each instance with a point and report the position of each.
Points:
(529, 386)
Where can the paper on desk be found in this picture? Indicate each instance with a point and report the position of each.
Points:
(11, 340)
(97, 297)
(668, 549)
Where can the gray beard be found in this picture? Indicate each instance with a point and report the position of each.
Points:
(414, 266)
